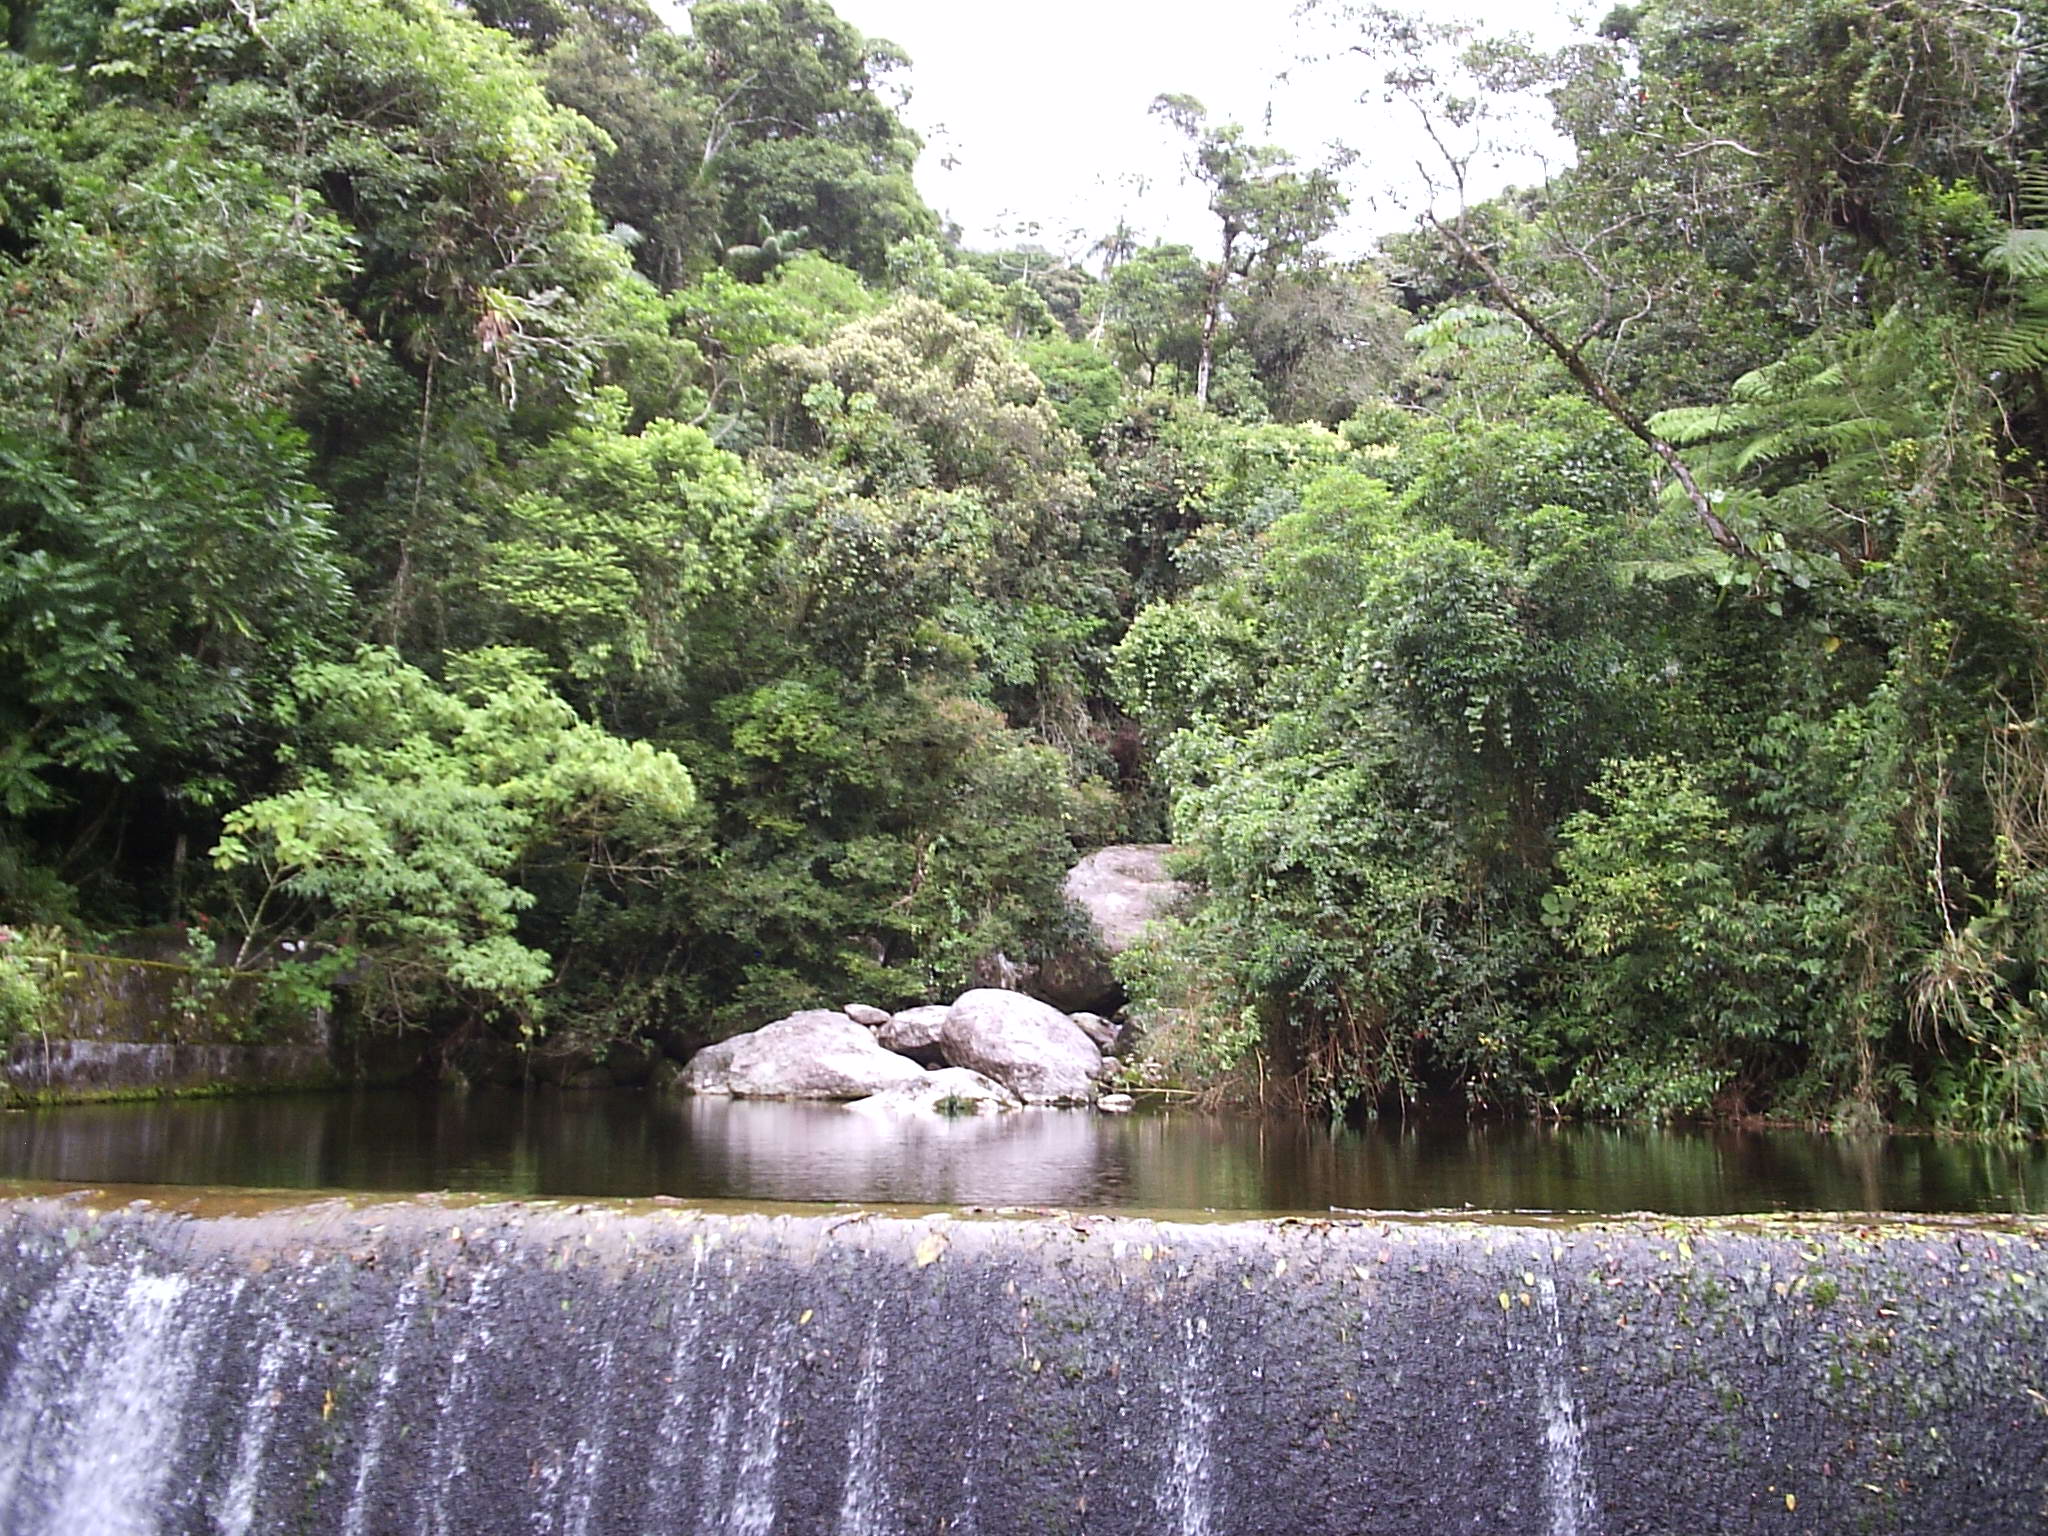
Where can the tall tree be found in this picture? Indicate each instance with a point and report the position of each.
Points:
(1269, 212)
(803, 130)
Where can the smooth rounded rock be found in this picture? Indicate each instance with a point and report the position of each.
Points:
(949, 1091)
(1123, 889)
(915, 1033)
(1116, 1103)
(816, 1054)
(1096, 1028)
(864, 1013)
(1030, 1047)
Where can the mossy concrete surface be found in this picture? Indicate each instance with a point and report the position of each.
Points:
(128, 1027)
(495, 1367)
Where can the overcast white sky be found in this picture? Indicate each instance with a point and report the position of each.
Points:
(1039, 112)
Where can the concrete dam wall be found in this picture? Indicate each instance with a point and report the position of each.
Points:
(497, 1369)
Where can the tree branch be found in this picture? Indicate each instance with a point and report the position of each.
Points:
(1599, 390)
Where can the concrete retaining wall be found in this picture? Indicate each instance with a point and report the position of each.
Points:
(597, 1369)
(126, 1027)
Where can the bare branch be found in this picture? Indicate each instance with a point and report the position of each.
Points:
(1602, 393)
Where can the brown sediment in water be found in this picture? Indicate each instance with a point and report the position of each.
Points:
(335, 1206)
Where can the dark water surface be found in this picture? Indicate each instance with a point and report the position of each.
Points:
(623, 1144)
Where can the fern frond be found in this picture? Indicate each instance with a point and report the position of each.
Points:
(2033, 194)
(1791, 442)
(1808, 513)
(1464, 328)
(2023, 345)
(1832, 440)
(2021, 255)
(1687, 426)
(1784, 379)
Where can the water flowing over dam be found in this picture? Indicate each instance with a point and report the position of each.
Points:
(479, 1370)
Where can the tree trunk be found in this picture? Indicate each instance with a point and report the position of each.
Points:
(1212, 313)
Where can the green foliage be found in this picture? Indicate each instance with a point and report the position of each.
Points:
(412, 810)
(1322, 341)
(1269, 213)
(601, 563)
(30, 962)
(801, 133)
(619, 381)
(1376, 721)
(648, 182)
(1683, 975)
(1081, 382)
(1150, 309)
(147, 613)
(954, 404)
(2020, 256)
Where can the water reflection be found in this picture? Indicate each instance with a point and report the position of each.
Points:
(622, 1144)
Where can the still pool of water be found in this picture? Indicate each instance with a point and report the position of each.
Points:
(547, 1144)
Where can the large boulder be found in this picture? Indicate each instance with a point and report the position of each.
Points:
(1030, 1047)
(915, 1033)
(816, 1054)
(1121, 890)
(951, 1091)
(1096, 1028)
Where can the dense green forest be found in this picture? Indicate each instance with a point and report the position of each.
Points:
(531, 508)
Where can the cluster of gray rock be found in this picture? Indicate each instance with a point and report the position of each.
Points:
(989, 1050)
(992, 1048)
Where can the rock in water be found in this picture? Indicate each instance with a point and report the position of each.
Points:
(952, 1091)
(1122, 889)
(816, 1054)
(915, 1033)
(1029, 1047)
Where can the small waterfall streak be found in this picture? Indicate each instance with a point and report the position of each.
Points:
(452, 1423)
(1182, 1497)
(753, 1493)
(40, 1385)
(129, 1397)
(665, 1507)
(284, 1349)
(864, 1506)
(390, 1364)
(1567, 1483)
(586, 1463)
(717, 1455)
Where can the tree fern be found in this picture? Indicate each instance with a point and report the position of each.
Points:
(2021, 256)
(1813, 446)
(1687, 426)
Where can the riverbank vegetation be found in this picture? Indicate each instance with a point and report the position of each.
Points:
(531, 508)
